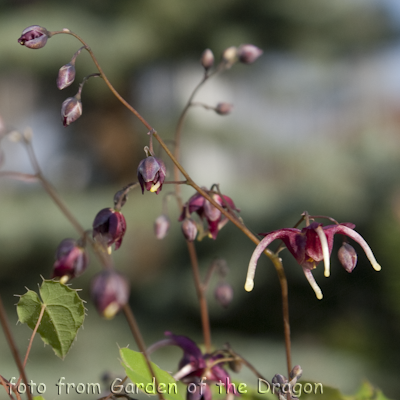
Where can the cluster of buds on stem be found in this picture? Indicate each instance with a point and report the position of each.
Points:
(213, 217)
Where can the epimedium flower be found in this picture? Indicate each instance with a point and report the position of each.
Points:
(71, 260)
(151, 174)
(248, 53)
(309, 246)
(195, 367)
(34, 37)
(110, 292)
(110, 225)
(208, 212)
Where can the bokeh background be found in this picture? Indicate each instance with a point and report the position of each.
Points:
(315, 126)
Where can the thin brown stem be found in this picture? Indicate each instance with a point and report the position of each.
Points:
(32, 337)
(7, 387)
(139, 341)
(13, 347)
(108, 83)
(201, 296)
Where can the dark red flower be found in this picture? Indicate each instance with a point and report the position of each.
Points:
(215, 219)
(71, 260)
(194, 365)
(151, 174)
(308, 246)
(34, 37)
(110, 225)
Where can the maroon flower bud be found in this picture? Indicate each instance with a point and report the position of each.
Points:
(207, 59)
(230, 56)
(66, 75)
(71, 110)
(224, 294)
(110, 225)
(151, 174)
(71, 260)
(347, 257)
(161, 226)
(34, 37)
(248, 53)
(296, 372)
(235, 365)
(223, 108)
(110, 292)
(189, 229)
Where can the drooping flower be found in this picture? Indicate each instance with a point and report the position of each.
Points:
(34, 37)
(71, 260)
(110, 292)
(151, 174)
(208, 212)
(194, 365)
(110, 224)
(308, 246)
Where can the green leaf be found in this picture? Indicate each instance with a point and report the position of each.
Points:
(138, 372)
(63, 316)
(367, 392)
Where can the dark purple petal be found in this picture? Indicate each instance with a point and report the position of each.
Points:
(110, 292)
(34, 37)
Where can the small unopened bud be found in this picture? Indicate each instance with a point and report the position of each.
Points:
(223, 108)
(248, 53)
(207, 59)
(161, 226)
(230, 56)
(296, 372)
(110, 292)
(235, 365)
(189, 229)
(347, 257)
(66, 75)
(71, 260)
(279, 379)
(34, 37)
(71, 110)
(224, 294)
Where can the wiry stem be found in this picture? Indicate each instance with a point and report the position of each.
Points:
(32, 337)
(13, 347)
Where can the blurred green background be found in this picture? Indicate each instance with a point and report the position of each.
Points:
(315, 127)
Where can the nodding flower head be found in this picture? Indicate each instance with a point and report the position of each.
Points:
(71, 260)
(151, 174)
(194, 365)
(34, 37)
(110, 225)
(214, 218)
(309, 246)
